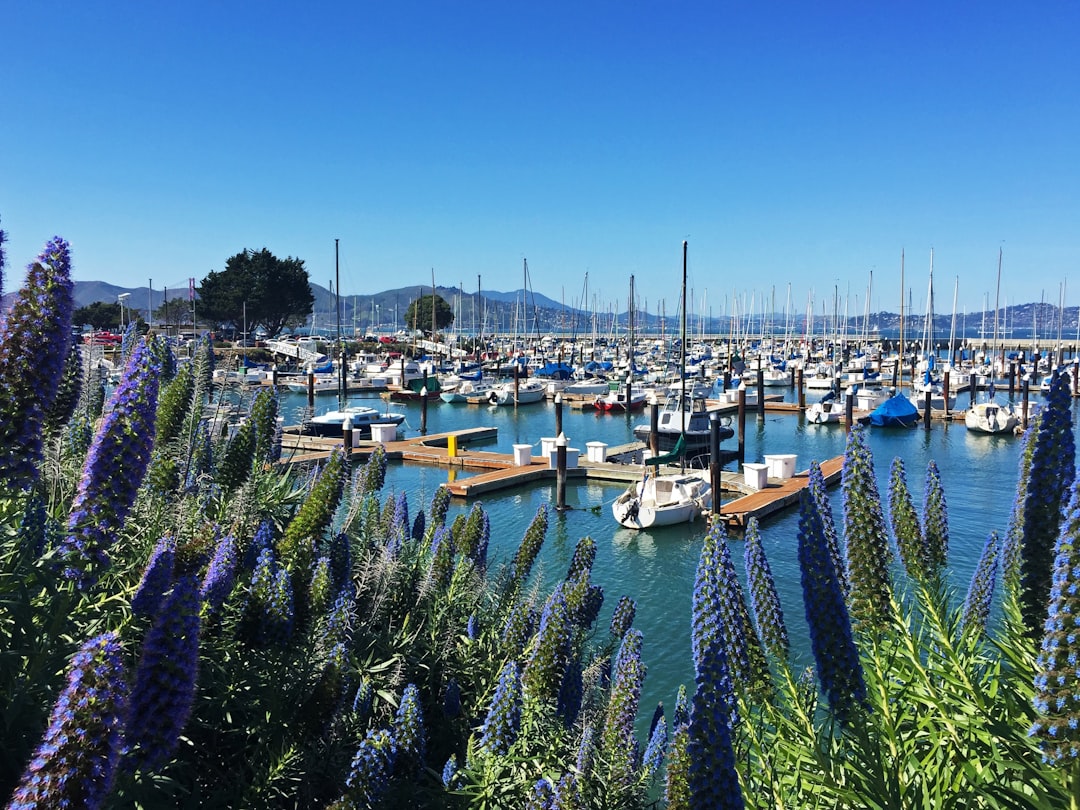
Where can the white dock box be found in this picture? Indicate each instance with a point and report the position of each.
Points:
(781, 466)
(756, 476)
(596, 451)
(384, 433)
(522, 455)
(547, 446)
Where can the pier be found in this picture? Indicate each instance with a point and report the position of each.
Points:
(499, 471)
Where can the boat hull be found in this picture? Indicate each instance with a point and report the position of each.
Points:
(662, 501)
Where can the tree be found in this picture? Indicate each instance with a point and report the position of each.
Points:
(418, 315)
(100, 315)
(259, 288)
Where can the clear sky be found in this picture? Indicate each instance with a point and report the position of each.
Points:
(789, 143)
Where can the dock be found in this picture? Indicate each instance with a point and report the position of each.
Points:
(495, 471)
(779, 494)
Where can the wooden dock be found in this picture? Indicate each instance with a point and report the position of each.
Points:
(778, 495)
(499, 471)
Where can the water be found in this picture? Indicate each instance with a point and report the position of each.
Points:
(657, 568)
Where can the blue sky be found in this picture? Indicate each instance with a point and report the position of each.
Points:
(789, 143)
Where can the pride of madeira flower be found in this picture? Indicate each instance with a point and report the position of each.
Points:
(77, 760)
(34, 341)
(113, 470)
(1057, 669)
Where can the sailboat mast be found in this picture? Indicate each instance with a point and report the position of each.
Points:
(683, 398)
(340, 342)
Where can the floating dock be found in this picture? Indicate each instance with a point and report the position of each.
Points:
(499, 471)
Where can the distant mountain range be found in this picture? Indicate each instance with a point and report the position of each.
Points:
(528, 312)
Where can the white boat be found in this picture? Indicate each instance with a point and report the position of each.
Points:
(332, 423)
(528, 392)
(683, 415)
(466, 389)
(666, 499)
(590, 386)
(663, 500)
(616, 401)
(991, 417)
(324, 383)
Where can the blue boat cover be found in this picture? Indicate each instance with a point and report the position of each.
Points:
(555, 371)
(896, 411)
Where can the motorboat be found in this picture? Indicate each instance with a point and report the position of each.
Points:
(361, 417)
(685, 405)
(618, 402)
(663, 500)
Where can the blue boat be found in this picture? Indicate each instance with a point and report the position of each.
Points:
(896, 411)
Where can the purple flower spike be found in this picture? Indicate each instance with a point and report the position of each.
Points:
(503, 721)
(372, 767)
(164, 689)
(623, 617)
(34, 341)
(155, 579)
(620, 744)
(76, 762)
(221, 573)
(980, 595)
(113, 470)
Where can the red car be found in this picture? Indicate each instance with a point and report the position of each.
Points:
(102, 337)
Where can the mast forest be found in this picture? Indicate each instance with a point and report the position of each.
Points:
(187, 622)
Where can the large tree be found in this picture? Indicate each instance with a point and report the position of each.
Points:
(100, 315)
(418, 315)
(258, 287)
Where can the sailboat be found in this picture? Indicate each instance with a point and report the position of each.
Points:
(662, 499)
(990, 416)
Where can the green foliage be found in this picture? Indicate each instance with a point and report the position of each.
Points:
(418, 314)
(102, 315)
(257, 285)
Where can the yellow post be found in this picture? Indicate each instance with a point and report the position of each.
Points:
(451, 446)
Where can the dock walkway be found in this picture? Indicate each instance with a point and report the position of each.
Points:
(779, 494)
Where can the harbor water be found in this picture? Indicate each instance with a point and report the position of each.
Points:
(657, 568)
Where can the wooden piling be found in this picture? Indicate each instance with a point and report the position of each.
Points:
(423, 410)
(800, 385)
(742, 424)
(760, 393)
(560, 473)
(926, 408)
(558, 412)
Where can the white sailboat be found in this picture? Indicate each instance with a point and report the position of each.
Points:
(666, 499)
(990, 416)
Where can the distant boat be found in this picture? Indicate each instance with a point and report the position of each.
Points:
(896, 411)
(617, 402)
(332, 423)
(528, 392)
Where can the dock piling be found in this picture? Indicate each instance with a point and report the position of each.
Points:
(558, 413)
(423, 410)
(560, 473)
(311, 387)
(926, 408)
(654, 426)
(715, 478)
(742, 424)
(945, 390)
(802, 390)
(849, 411)
(760, 394)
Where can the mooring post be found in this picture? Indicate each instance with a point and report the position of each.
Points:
(1076, 379)
(945, 391)
(760, 393)
(346, 435)
(926, 408)
(1012, 377)
(273, 375)
(1024, 405)
(423, 411)
(560, 472)
(800, 384)
(714, 460)
(849, 411)
(727, 378)
(742, 424)
(975, 382)
(311, 386)
(558, 412)
(517, 382)
(654, 425)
